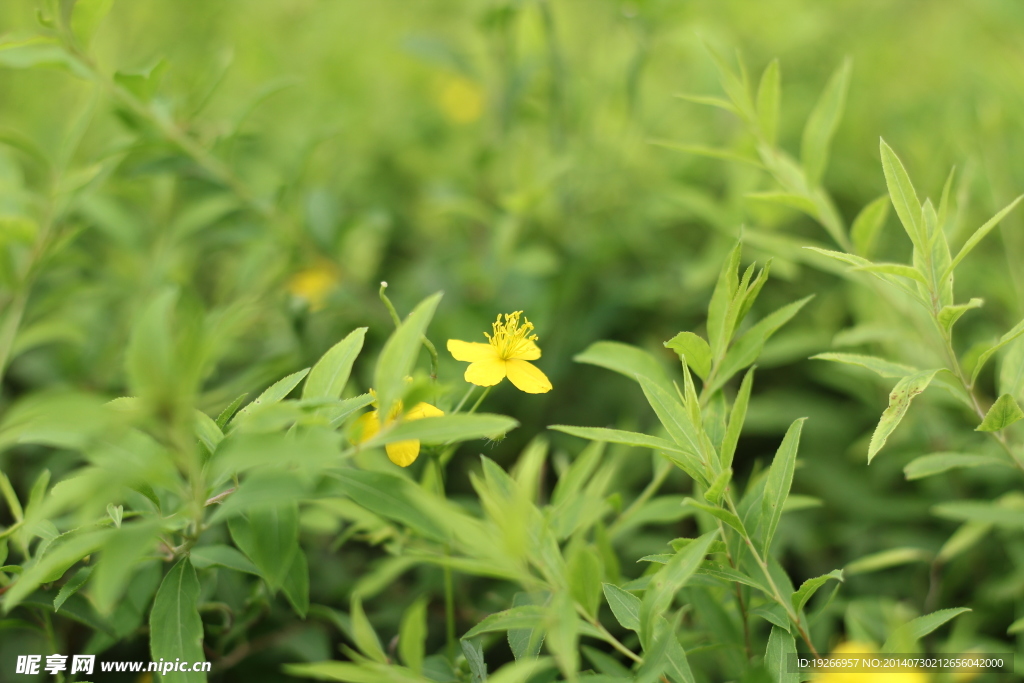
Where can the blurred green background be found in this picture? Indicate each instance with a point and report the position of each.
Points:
(502, 152)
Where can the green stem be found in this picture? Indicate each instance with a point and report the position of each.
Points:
(449, 607)
(776, 593)
(11, 324)
(465, 397)
(480, 400)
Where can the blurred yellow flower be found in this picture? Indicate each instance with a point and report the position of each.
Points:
(506, 354)
(402, 453)
(461, 100)
(314, 284)
(855, 648)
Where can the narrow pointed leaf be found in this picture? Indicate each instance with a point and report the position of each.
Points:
(779, 481)
(328, 377)
(903, 196)
(880, 366)
(980, 234)
(822, 123)
(899, 402)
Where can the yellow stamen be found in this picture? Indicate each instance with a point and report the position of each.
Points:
(509, 337)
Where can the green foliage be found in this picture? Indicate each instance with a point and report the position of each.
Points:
(185, 226)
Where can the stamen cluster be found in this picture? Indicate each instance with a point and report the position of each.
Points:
(510, 338)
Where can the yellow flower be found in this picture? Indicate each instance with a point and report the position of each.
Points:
(853, 648)
(461, 100)
(313, 284)
(402, 453)
(505, 355)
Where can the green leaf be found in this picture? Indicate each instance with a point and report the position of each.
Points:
(275, 393)
(822, 123)
(937, 463)
(809, 587)
(445, 429)
(781, 649)
(962, 539)
(475, 658)
(893, 557)
(868, 225)
(899, 401)
(730, 574)
(522, 617)
(176, 631)
(412, 635)
(1003, 413)
(58, 558)
(897, 269)
(948, 315)
(11, 498)
(735, 85)
(1016, 627)
(393, 497)
(229, 411)
(329, 376)
(584, 573)
(718, 513)
(563, 632)
(720, 323)
(123, 551)
(363, 634)
(269, 536)
(694, 350)
(737, 417)
(1017, 331)
(918, 628)
(71, 587)
(39, 52)
(1007, 512)
(768, 101)
(347, 672)
(668, 580)
(525, 643)
(979, 235)
(619, 436)
(221, 556)
(710, 152)
(296, 583)
(715, 492)
(791, 200)
(748, 347)
(1011, 373)
(779, 481)
(626, 360)
(880, 366)
(709, 100)
(903, 196)
(625, 606)
(399, 354)
(674, 418)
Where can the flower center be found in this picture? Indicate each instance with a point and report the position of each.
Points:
(509, 337)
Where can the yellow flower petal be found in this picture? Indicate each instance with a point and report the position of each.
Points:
(528, 351)
(486, 373)
(366, 427)
(527, 377)
(403, 453)
(471, 352)
(421, 410)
